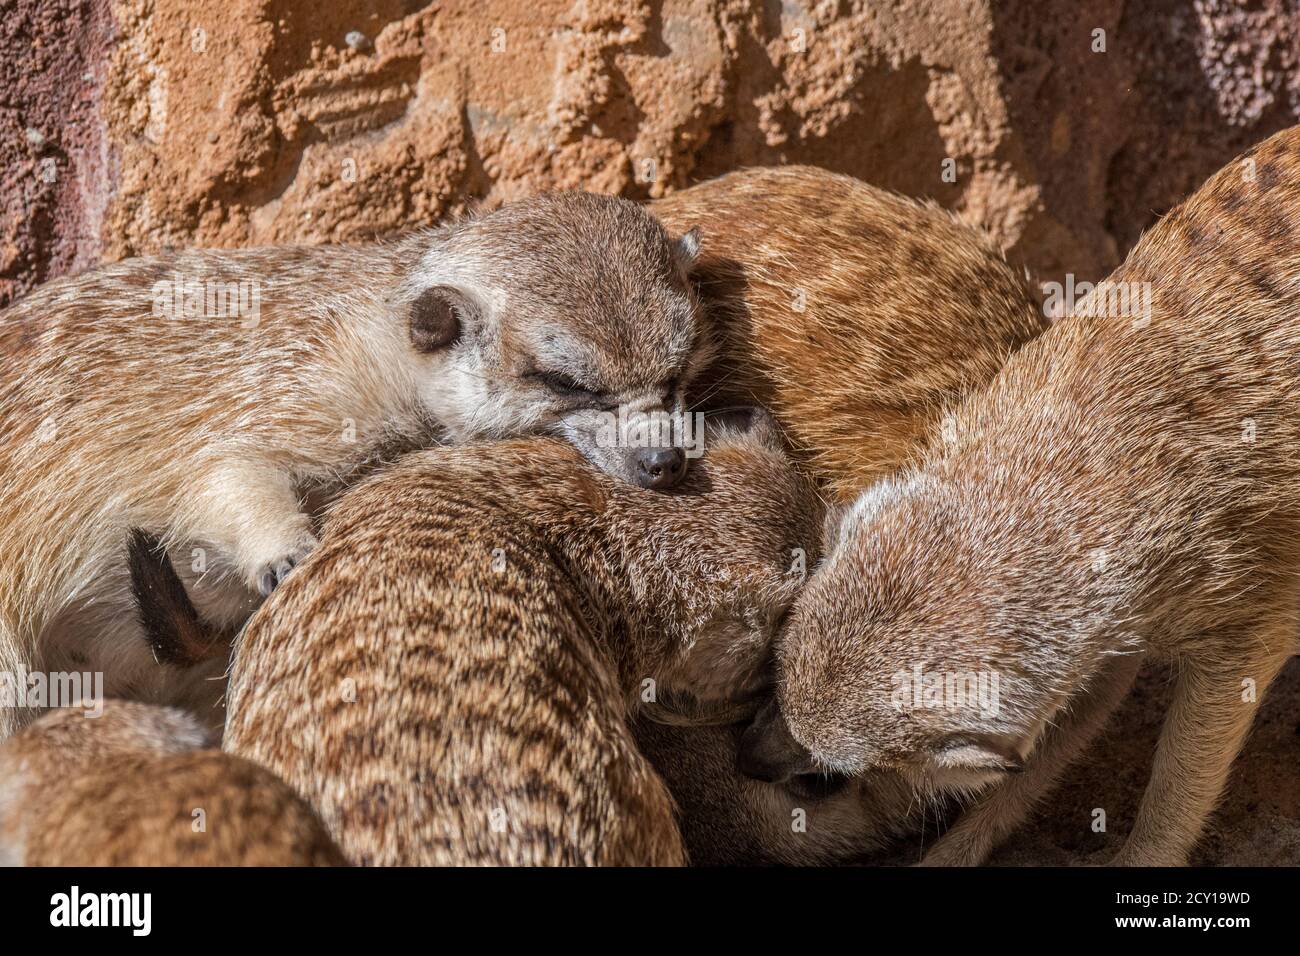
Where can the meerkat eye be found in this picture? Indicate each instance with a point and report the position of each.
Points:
(565, 385)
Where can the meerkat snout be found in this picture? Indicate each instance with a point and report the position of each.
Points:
(660, 467)
(769, 752)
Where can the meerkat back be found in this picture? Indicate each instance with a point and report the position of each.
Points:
(136, 786)
(854, 315)
(430, 684)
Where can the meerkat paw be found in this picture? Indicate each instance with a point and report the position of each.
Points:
(1140, 857)
(268, 575)
(952, 850)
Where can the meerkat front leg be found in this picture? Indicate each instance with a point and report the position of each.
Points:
(994, 816)
(1215, 701)
(253, 509)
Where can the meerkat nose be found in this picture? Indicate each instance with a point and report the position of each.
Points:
(769, 752)
(660, 467)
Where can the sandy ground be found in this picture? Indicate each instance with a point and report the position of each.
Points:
(1258, 821)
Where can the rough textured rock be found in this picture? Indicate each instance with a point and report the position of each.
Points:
(174, 122)
(53, 145)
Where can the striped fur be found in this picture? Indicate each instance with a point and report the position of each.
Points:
(449, 676)
(854, 315)
(139, 785)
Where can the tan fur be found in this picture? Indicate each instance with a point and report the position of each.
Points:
(1122, 488)
(133, 787)
(210, 430)
(854, 315)
(448, 677)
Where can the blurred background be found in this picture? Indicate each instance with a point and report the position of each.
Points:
(1065, 127)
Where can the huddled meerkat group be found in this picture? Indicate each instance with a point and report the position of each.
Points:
(406, 560)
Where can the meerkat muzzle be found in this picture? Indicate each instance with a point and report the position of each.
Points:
(659, 467)
(769, 752)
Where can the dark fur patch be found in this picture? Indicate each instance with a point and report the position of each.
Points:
(1267, 175)
(176, 633)
(922, 258)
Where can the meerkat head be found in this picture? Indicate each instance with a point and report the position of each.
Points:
(567, 313)
(712, 568)
(912, 649)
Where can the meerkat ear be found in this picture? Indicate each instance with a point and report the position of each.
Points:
(438, 316)
(687, 249)
(981, 753)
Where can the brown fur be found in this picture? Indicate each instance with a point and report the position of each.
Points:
(728, 819)
(904, 310)
(422, 686)
(1122, 488)
(207, 431)
(123, 789)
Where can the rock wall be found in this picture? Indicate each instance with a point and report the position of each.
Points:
(1064, 126)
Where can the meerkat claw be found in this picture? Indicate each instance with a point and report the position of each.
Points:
(270, 578)
(272, 575)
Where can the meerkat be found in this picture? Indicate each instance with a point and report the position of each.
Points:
(141, 785)
(725, 817)
(729, 819)
(1128, 485)
(855, 316)
(202, 395)
(448, 678)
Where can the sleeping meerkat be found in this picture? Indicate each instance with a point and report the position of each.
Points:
(201, 395)
(1129, 484)
(449, 676)
(135, 786)
(855, 316)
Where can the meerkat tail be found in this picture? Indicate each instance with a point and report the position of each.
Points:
(172, 626)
